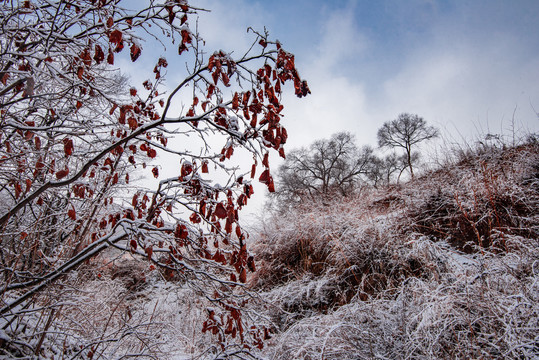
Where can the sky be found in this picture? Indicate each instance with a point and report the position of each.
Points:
(467, 67)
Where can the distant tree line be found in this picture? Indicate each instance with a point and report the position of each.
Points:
(338, 167)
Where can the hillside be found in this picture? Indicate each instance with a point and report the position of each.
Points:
(445, 266)
(442, 267)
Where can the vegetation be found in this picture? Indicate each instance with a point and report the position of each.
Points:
(73, 130)
(328, 167)
(405, 132)
(349, 264)
(442, 267)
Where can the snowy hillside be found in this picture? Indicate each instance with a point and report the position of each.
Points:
(442, 267)
(446, 266)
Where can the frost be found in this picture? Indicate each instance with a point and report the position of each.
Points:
(440, 273)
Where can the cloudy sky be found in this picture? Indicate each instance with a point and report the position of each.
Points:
(469, 67)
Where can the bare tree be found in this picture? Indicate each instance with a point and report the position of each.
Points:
(328, 166)
(385, 168)
(72, 130)
(405, 132)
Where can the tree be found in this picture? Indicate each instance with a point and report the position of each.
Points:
(384, 168)
(327, 167)
(406, 131)
(72, 130)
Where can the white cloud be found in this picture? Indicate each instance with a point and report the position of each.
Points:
(467, 86)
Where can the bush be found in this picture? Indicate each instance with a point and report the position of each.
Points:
(445, 266)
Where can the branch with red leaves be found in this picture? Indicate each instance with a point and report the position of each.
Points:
(73, 130)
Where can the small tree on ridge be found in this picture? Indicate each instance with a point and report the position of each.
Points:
(405, 132)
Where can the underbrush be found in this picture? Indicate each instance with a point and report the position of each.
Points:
(110, 309)
(324, 256)
(481, 200)
(445, 266)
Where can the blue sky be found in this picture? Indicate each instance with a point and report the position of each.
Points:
(467, 67)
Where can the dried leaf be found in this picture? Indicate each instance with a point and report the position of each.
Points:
(68, 146)
(62, 173)
(115, 37)
(220, 211)
(72, 214)
(243, 276)
(135, 52)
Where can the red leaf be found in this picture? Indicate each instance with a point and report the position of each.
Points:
(220, 211)
(205, 167)
(211, 89)
(112, 109)
(235, 101)
(152, 153)
(271, 186)
(133, 244)
(110, 58)
(171, 14)
(253, 171)
(229, 152)
(79, 104)
(155, 172)
(251, 264)
(72, 214)
(115, 37)
(265, 160)
(5, 78)
(238, 232)
(182, 48)
(80, 72)
(215, 76)
(226, 79)
(110, 22)
(62, 173)
(133, 123)
(133, 92)
(265, 177)
(68, 146)
(228, 226)
(135, 52)
(186, 36)
(18, 190)
(195, 219)
(243, 276)
(149, 251)
(187, 168)
(181, 232)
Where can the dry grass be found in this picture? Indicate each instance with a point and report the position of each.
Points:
(444, 267)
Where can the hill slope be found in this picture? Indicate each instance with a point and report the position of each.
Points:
(446, 266)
